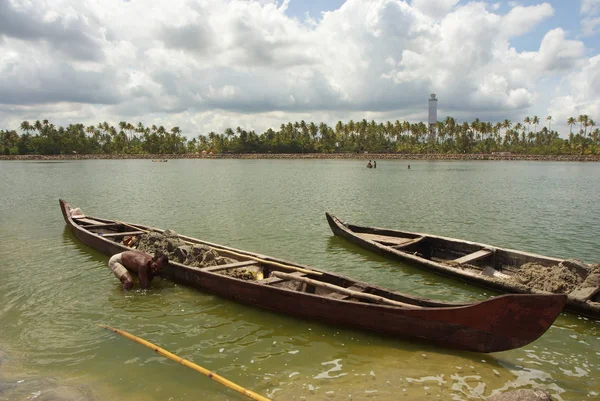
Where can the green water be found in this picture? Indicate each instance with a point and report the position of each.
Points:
(54, 290)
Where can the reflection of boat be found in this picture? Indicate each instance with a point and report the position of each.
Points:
(504, 270)
(160, 160)
(497, 324)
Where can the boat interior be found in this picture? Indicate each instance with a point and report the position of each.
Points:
(267, 271)
(467, 256)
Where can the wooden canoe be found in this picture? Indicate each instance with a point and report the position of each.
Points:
(497, 324)
(476, 263)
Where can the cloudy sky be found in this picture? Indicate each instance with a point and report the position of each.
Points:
(205, 65)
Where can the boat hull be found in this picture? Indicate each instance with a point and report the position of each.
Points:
(509, 256)
(498, 324)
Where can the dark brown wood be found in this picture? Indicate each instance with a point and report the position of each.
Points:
(104, 225)
(497, 324)
(472, 257)
(119, 234)
(409, 243)
(488, 266)
(245, 263)
(345, 291)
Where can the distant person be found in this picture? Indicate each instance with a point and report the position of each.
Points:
(409, 166)
(141, 263)
(369, 165)
(374, 163)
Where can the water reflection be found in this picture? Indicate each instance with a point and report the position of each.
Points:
(54, 290)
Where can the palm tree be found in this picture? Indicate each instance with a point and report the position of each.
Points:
(535, 121)
(582, 120)
(571, 122)
(590, 123)
(527, 121)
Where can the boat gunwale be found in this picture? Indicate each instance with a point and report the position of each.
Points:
(445, 239)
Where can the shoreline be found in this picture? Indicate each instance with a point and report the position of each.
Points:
(340, 156)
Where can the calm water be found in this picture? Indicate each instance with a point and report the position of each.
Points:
(53, 290)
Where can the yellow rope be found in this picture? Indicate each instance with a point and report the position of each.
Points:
(266, 262)
(187, 363)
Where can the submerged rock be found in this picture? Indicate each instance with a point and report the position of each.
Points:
(64, 394)
(522, 395)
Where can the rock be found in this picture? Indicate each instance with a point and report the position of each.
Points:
(522, 395)
(174, 243)
(182, 252)
(577, 266)
(587, 289)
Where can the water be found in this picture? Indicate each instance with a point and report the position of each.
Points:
(54, 290)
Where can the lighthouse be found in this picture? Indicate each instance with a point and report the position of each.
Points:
(432, 118)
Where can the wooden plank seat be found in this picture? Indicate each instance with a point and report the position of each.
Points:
(472, 257)
(121, 234)
(245, 263)
(103, 225)
(85, 220)
(385, 239)
(408, 243)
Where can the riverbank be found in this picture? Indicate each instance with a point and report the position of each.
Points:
(356, 156)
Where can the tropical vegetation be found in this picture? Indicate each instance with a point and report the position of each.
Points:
(449, 136)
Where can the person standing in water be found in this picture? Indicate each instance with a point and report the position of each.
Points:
(141, 263)
(409, 166)
(369, 165)
(374, 163)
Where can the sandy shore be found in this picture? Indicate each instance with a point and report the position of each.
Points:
(356, 156)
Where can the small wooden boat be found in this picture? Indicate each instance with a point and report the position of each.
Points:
(485, 265)
(497, 324)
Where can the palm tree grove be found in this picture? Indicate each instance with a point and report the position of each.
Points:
(529, 137)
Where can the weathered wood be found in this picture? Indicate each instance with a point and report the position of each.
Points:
(86, 220)
(587, 289)
(337, 295)
(385, 239)
(442, 255)
(275, 280)
(407, 244)
(342, 290)
(103, 225)
(119, 234)
(472, 257)
(228, 266)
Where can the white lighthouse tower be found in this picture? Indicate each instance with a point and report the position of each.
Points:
(432, 118)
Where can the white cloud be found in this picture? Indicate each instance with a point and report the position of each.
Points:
(590, 6)
(521, 20)
(208, 65)
(434, 8)
(580, 93)
(590, 10)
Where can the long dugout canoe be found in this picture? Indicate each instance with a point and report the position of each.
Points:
(500, 269)
(497, 324)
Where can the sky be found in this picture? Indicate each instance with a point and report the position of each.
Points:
(206, 65)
